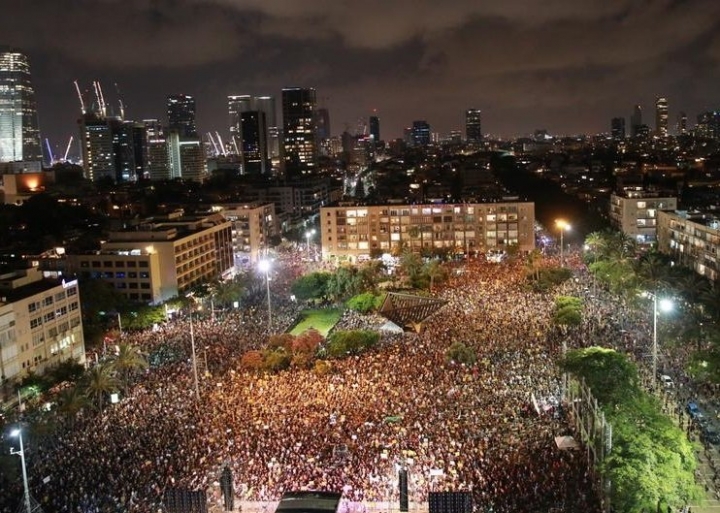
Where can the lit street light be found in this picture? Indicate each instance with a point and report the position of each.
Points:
(562, 225)
(309, 234)
(21, 453)
(665, 305)
(264, 266)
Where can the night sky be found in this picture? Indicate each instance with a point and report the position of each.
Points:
(564, 65)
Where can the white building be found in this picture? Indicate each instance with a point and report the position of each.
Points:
(692, 239)
(635, 213)
(252, 226)
(40, 323)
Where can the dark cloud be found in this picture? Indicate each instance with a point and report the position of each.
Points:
(568, 65)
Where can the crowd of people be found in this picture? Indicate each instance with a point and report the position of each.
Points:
(455, 427)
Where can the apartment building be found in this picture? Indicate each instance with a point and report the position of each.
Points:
(693, 239)
(252, 226)
(161, 257)
(635, 213)
(40, 323)
(354, 232)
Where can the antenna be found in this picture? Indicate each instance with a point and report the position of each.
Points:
(67, 150)
(82, 103)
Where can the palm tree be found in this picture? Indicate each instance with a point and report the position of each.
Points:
(653, 272)
(534, 261)
(71, 401)
(434, 271)
(99, 382)
(128, 361)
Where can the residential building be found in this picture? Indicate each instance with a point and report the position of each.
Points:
(181, 115)
(19, 132)
(636, 121)
(661, 116)
(252, 226)
(473, 126)
(40, 323)
(420, 133)
(693, 239)
(354, 232)
(617, 129)
(253, 143)
(635, 213)
(162, 257)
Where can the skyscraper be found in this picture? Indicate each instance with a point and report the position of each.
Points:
(97, 147)
(300, 152)
(254, 152)
(682, 123)
(636, 121)
(375, 128)
(661, 116)
(420, 133)
(323, 124)
(237, 104)
(181, 115)
(266, 104)
(19, 133)
(473, 126)
(617, 129)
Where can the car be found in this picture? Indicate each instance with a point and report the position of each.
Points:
(710, 434)
(667, 381)
(693, 410)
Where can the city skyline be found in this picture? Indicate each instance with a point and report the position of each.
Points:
(569, 68)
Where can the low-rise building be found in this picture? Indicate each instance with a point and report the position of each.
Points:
(356, 232)
(161, 257)
(252, 226)
(40, 323)
(635, 213)
(693, 239)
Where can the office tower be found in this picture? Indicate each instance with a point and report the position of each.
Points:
(253, 147)
(661, 116)
(123, 138)
(181, 115)
(266, 104)
(420, 133)
(473, 126)
(156, 164)
(19, 133)
(97, 147)
(682, 123)
(186, 158)
(708, 125)
(237, 104)
(375, 128)
(323, 124)
(636, 121)
(617, 129)
(300, 151)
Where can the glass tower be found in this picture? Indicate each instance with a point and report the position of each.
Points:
(19, 133)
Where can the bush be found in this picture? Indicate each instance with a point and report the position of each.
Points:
(277, 360)
(281, 341)
(322, 368)
(345, 343)
(252, 360)
(308, 342)
(362, 303)
(460, 353)
(547, 278)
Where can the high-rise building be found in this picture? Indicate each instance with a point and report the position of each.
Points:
(237, 104)
(266, 104)
(636, 121)
(253, 145)
(181, 115)
(473, 126)
(682, 123)
(375, 128)
(300, 152)
(661, 116)
(708, 125)
(19, 133)
(617, 129)
(323, 124)
(420, 133)
(97, 147)
(156, 165)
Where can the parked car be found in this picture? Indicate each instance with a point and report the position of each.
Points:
(667, 381)
(694, 410)
(710, 434)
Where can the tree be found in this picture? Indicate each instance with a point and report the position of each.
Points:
(460, 353)
(252, 360)
(568, 312)
(99, 383)
(128, 361)
(311, 286)
(434, 271)
(70, 402)
(411, 265)
(362, 303)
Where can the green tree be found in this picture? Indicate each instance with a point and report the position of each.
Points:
(411, 265)
(568, 312)
(362, 303)
(128, 362)
(99, 382)
(311, 286)
(434, 271)
(71, 401)
(460, 353)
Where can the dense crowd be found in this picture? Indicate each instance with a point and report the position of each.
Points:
(455, 427)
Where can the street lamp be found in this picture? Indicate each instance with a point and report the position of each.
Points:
(665, 305)
(562, 225)
(309, 234)
(264, 266)
(21, 453)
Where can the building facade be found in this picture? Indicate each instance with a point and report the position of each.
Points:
(300, 151)
(161, 258)
(661, 116)
(40, 323)
(354, 232)
(473, 126)
(253, 143)
(635, 213)
(692, 239)
(252, 226)
(19, 132)
(181, 115)
(617, 129)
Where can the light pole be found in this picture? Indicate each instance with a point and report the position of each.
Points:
(309, 234)
(194, 359)
(18, 433)
(562, 225)
(665, 305)
(264, 266)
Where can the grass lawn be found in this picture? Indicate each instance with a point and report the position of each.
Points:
(320, 319)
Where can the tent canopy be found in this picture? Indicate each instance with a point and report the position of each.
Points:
(566, 442)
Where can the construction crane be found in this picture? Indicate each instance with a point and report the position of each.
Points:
(122, 107)
(101, 98)
(50, 152)
(212, 141)
(222, 145)
(82, 102)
